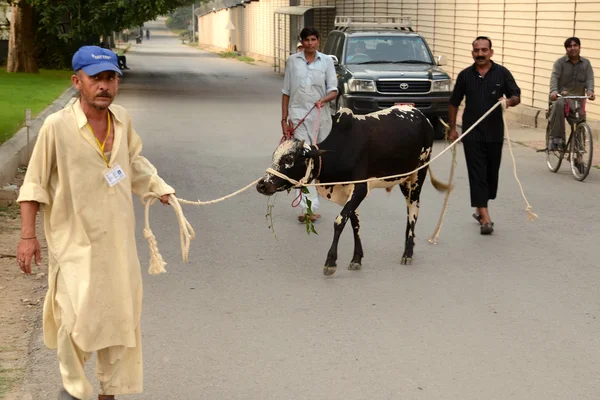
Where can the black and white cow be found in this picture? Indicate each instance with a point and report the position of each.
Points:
(388, 142)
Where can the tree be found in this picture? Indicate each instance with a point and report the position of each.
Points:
(63, 26)
(21, 51)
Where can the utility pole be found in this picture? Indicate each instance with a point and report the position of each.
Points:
(193, 23)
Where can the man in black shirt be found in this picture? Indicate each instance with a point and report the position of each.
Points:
(483, 84)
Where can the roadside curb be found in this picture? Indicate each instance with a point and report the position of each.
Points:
(14, 152)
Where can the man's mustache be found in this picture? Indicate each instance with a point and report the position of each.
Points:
(104, 93)
(480, 58)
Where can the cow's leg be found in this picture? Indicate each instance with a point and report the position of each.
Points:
(355, 264)
(411, 189)
(358, 195)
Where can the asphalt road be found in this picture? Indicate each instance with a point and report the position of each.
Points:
(511, 316)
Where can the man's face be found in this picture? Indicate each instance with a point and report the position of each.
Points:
(482, 52)
(573, 49)
(310, 44)
(99, 90)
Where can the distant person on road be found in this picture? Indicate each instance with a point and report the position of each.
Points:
(310, 82)
(147, 34)
(121, 59)
(85, 166)
(572, 75)
(299, 47)
(483, 84)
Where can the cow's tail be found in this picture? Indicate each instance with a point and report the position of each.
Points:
(438, 185)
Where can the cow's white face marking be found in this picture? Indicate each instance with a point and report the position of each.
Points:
(286, 152)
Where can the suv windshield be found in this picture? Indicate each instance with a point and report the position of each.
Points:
(387, 49)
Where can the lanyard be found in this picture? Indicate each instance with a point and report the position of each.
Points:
(101, 145)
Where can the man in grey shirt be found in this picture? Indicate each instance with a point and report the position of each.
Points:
(572, 75)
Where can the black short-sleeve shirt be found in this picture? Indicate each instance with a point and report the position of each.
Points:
(481, 94)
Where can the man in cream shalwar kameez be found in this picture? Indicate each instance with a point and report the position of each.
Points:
(94, 299)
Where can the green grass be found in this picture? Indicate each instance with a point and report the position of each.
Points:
(231, 54)
(6, 383)
(8, 377)
(21, 91)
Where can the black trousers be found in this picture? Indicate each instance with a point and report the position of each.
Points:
(483, 164)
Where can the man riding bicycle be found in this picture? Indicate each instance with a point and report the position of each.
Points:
(572, 75)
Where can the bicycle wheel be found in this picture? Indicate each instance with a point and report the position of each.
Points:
(581, 151)
(553, 157)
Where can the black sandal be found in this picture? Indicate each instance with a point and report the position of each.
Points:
(477, 217)
(487, 228)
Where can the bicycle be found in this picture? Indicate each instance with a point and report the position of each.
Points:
(579, 147)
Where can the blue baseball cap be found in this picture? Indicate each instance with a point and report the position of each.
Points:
(93, 60)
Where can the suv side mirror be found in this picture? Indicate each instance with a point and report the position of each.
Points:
(440, 60)
(335, 60)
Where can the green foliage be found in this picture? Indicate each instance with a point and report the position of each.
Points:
(64, 26)
(310, 227)
(21, 91)
(181, 17)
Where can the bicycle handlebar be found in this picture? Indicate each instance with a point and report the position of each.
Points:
(572, 97)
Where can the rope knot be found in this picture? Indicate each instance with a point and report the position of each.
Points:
(157, 264)
(531, 216)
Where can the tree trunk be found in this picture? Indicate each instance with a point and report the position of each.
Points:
(21, 51)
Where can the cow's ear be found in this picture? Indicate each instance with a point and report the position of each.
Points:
(314, 153)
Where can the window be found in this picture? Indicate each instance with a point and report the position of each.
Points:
(383, 49)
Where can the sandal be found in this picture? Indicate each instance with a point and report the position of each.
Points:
(487, 228)
(313, 218)
(477, 217)
(64, 395)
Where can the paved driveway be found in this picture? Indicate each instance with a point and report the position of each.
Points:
(511, 316)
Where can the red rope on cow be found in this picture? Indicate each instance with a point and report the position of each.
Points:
(290, 133)
(296, 202)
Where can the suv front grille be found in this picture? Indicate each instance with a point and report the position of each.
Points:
(388, 104)
(403, 86)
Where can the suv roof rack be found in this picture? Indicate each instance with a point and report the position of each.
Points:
(345, 23)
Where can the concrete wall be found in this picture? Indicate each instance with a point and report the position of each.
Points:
(255, 32)
(527, 35)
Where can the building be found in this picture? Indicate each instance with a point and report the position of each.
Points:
(527, 36)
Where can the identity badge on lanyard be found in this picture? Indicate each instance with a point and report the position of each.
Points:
(115, 175)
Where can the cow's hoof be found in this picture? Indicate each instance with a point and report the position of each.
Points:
(406, 261)
(354, 266)
(328, 271)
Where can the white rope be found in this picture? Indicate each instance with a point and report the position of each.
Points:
(187, 234)
(435, 236)
(298, 183)
(531, 216)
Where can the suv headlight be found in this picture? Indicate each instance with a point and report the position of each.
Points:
(361, 85)
(444, 85)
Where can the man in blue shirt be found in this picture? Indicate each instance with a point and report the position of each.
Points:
(310, 81)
